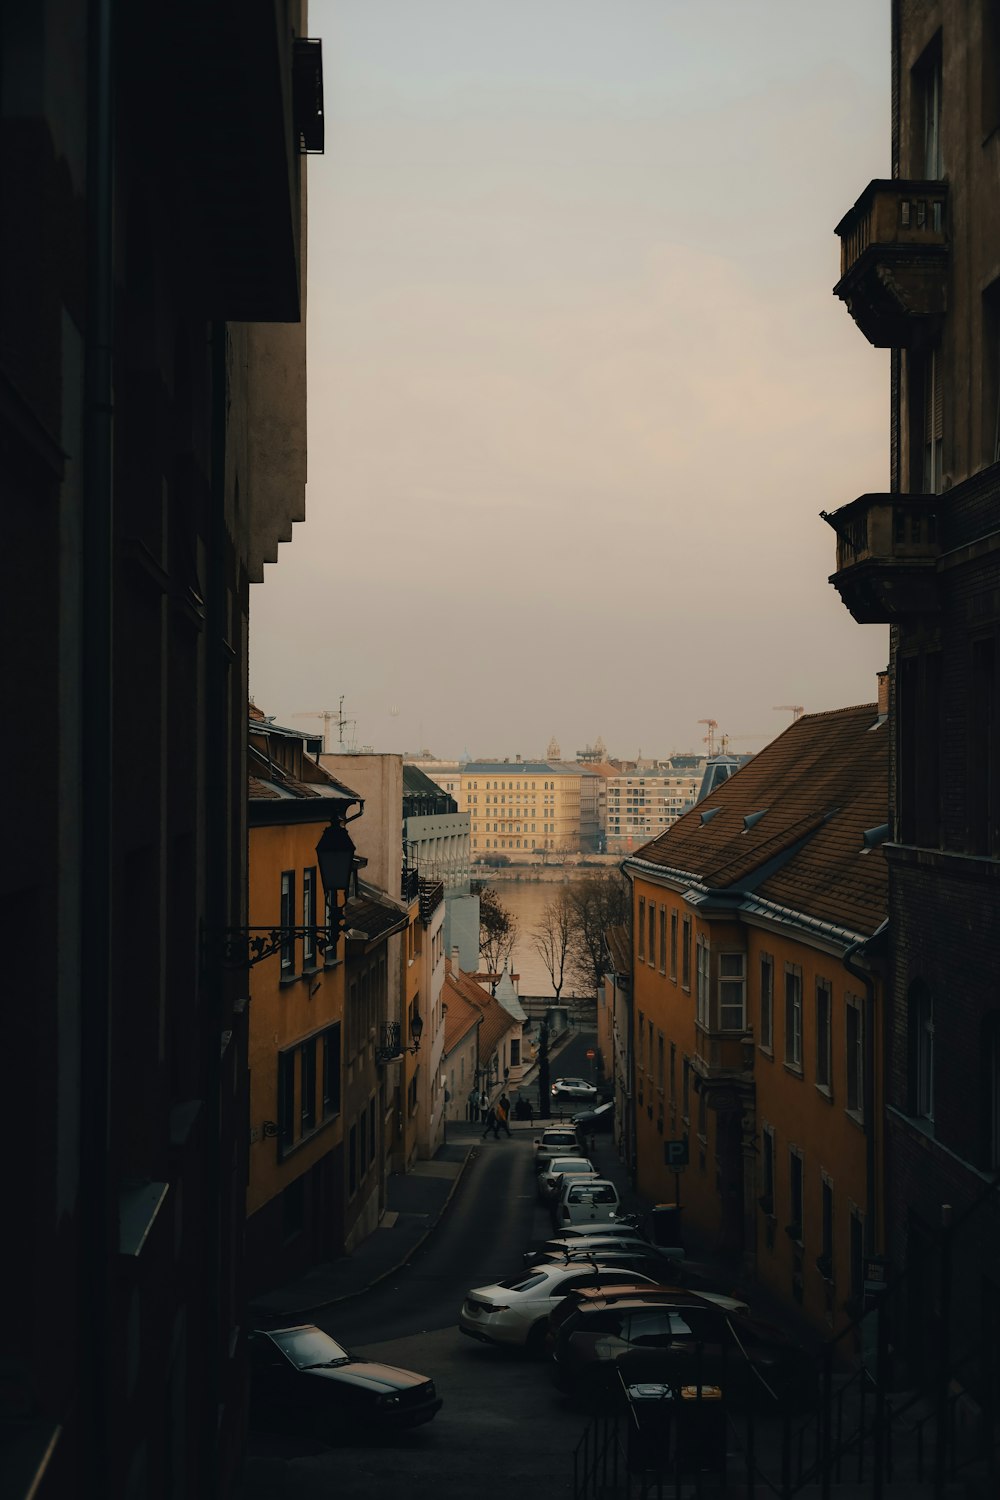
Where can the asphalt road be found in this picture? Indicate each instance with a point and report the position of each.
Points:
(503, 1431)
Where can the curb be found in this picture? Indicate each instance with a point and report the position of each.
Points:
(392, 1270)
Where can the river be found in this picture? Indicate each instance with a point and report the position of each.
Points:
(526, 899)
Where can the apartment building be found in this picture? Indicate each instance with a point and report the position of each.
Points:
(153, 427)
(755, 993)
(521, 806)
(642, 804)
(920, 276)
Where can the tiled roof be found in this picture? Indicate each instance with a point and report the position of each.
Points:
(373, 914)
(495, 1019)
(461, 1018)
(259, 790)
(819, 786)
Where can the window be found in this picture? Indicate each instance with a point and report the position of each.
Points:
(642, 929)
(686, 954)
(795, 1231)
(855, 1060)
(309, 918)
(286, 1099)
(702, 997)
(793, 1015)
(767, 1169)
(933, 422)
(823, 1007)
(825, 1261)
(920, 1029)
(673, 945)
(673, 1074)
(652, 935)
(926, 113)
(331, 917)
(659, 1060)
(766, 1002)
(686, 1091)
(641, 1039)
(732, 992)
(287, 920)
(331, 1071)
(308, 1069)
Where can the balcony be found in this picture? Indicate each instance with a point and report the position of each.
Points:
(887, 553)
(894, 262)
(431, 896)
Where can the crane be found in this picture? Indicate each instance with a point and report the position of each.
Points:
(795, 709)
(709, 738)
(329, 716)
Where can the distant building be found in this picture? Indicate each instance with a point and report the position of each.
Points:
(522, 807)
(641, 804)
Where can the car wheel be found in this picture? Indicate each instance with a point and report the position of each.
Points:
(534, 1344)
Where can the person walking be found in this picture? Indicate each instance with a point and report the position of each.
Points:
(491, 1124)
(503, 1114)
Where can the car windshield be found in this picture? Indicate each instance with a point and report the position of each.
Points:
(570, 1164)
(558, 1138)
(309, 1347)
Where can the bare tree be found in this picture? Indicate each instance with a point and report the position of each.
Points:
(552, 937)
(596, 902)
(497, 930)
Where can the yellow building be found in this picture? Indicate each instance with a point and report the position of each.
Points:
(521, 806)
(296, 1041)
(756, 996)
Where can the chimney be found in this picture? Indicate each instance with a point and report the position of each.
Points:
(455, 965)
(518, 759)
(883, 693)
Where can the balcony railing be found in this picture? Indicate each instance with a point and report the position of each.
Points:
(887, 553)
(894, 261)
(431, 896)
(409, 885)
(390, 1043)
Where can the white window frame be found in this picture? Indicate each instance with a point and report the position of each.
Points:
(703, 966)
(731, 985)
(793, 1017)
(766, 1042)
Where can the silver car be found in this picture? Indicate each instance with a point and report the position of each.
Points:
(550, 1178)
(517, 1311)
(594, 1200)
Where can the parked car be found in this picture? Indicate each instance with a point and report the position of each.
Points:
(554, 1142)
(597, 1121)
(627, 1291)
(302, 1378)
(599, 1243)
(550, 1178)
(681, 1340)
(573, 1088)
(590, 1202)
(516, 1311)
(642, 1260)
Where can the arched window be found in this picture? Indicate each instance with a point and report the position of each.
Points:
(920, 1036)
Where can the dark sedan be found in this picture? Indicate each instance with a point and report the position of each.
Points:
(680, 1341)
(303, 1379)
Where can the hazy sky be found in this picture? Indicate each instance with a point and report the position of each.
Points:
(578, 388)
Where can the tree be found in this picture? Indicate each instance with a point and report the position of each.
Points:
(552, 937)
(596, 902)
(544, 1084)
(497, 930)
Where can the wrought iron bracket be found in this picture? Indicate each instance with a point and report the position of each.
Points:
(242, 947)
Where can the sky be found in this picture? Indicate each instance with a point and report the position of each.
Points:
(578, 387)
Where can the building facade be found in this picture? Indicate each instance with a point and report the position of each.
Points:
(920, 276)
(641, 804)
(757, 999)
(151, 301)
(521, 807)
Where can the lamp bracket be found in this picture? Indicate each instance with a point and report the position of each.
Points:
(242, 947)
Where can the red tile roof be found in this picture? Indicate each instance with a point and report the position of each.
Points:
(821, 785)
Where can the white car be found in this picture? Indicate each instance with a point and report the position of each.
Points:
(554, 1142)
(593, 1201)
(549, 1179)
(573, 1088)
(516, 1312)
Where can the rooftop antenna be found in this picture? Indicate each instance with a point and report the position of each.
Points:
(331, 716)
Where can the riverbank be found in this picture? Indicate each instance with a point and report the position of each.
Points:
(573, 868)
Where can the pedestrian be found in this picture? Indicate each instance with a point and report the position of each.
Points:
(502, 1113)
(490, 1117)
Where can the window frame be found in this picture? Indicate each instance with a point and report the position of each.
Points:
(703, 988)
(309, 917)
(728, 981)
(824, 1035)
(766, 1039)
(793, 1017)
(286, 919)
(854, 1059)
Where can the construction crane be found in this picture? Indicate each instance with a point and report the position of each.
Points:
(795, 709)
(330, 716)
(725, 740)
(709, 738)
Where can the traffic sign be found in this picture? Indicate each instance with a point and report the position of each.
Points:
(591, 1052)
(675, 1153)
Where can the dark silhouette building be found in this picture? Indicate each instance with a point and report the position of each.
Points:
(152, 423)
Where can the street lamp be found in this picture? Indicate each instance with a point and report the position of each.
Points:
(391, 1045)
(242, 947)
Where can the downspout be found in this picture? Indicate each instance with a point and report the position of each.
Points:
(97, 1223)
(848, 958)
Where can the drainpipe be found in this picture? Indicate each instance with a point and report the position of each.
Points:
(97, 1225)
(848, 959)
